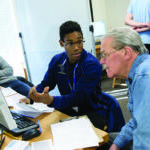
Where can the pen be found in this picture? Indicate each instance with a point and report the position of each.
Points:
(39, 126)
(17, 138)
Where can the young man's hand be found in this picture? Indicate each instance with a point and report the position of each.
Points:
(41, 97)
(114, 147)
(25, 100)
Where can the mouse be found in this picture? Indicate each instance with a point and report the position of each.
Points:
(31, 134)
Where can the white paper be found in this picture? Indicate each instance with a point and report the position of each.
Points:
(11, 96)
(8, 91)
(16, 145)
(42, 145)
(12, 100)
(32, 110)
(74, 134)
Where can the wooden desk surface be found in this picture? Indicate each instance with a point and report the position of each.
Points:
(50, 118)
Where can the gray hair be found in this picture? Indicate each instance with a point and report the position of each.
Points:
(124, 36)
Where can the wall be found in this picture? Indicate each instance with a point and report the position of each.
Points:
(111, 11)
(99, 10)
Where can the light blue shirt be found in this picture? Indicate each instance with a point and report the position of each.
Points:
(138, 128)
(140, 9)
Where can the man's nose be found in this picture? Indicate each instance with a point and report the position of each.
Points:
(101, 61)
(76, 46)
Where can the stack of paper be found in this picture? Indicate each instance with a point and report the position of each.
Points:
(11, 96)
(8, 91)
(74, 134)
(23, 145)
(32, 110)
(42, 145)
(16, 144)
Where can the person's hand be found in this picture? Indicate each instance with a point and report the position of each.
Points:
(134, 28)
(114, 147)
(25, 100)
(148, 24)
(41, 97)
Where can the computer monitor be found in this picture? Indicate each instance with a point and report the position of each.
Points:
(99, 28)
(6, 118)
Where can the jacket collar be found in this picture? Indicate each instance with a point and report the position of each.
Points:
(139, 59)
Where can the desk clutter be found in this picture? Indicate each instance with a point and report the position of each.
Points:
(12, 99)
(57, 131)
(68, 135)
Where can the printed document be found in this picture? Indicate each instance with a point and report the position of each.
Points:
(74, 134)
(11, 96)
(42, 145)
(17, 145)
(32, 110)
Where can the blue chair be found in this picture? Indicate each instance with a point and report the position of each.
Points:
(115, 119)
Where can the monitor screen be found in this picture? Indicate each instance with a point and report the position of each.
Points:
(99, 28)
(6, 118)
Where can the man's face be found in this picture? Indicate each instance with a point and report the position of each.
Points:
(73, 44)
(113, 59)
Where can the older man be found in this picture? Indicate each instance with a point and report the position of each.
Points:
(125, 56)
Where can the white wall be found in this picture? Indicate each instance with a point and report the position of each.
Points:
(10, 47)
(99, 10)
(116, 12)
(111, 11)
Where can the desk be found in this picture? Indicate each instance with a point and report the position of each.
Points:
(50, 118)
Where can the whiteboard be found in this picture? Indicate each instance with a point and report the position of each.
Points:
(39, 22)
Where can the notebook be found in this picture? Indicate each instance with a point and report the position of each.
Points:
(12, 122)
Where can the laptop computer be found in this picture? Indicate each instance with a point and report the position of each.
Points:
(12, 122)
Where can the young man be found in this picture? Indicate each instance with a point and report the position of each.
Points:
(8, 80)
(125, 56)
(78, 77)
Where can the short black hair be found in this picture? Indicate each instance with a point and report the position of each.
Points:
(69, 27)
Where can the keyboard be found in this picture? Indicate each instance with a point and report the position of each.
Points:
(23, 124)
(21, 121)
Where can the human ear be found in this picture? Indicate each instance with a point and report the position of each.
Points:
(61, 43)
(128, 52)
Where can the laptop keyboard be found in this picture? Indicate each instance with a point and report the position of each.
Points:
(21, 121)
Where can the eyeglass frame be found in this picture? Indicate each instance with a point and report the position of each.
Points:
(71, 44)
(106, 55)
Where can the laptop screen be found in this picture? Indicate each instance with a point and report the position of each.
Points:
(6, 118)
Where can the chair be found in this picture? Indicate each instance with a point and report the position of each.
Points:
(25, 73)
(115, 118)
(117, 83)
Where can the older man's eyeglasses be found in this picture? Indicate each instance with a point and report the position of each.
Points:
(106, 55)
(72, 44)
